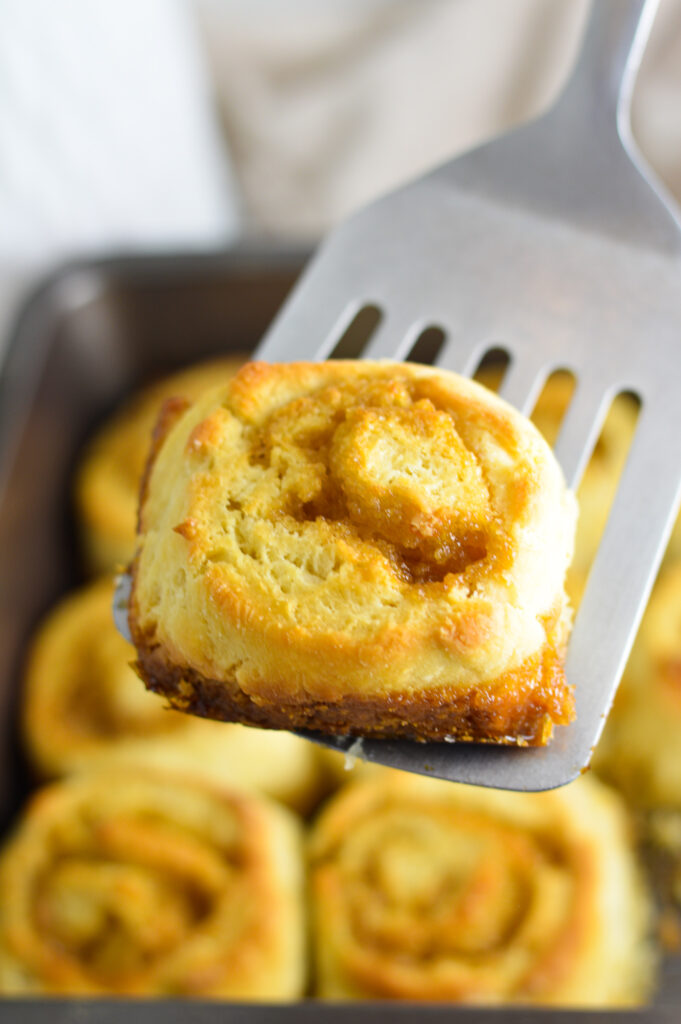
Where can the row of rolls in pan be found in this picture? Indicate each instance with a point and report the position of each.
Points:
(144, 884)
(165, 862)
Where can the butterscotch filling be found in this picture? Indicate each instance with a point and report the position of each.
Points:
(380, 463)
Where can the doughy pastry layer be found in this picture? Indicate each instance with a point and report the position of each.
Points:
(108, 481)
(85, 708)
(640, 750)
(373, 548)
(143, 886)
(426, 890)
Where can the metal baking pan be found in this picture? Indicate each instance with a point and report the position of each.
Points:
(90, 334)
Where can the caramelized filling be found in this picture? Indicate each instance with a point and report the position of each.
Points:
(387, 467)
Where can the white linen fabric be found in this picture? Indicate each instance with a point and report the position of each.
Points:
(109, 138)
(327, 105)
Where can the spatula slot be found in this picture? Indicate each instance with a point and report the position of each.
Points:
(581, 427)
(601, 478)
(427, 346)
(354, 338)
(552, 404)
(492, 368)
(524, 380)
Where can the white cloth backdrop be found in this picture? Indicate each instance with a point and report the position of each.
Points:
(327, 104)
(182, 123)
(108, 136)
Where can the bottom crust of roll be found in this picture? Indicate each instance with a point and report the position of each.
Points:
(519, 709)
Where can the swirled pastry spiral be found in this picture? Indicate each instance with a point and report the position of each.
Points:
(373, 548)
(147, 887)
(108, 481)
(640, 750)
(425, 890)
(85, 708)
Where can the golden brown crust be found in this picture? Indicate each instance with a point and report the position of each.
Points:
(426, 890)
(519, 709)
(360, 547)
(151, 886)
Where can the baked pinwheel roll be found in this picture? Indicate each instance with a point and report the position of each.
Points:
(425, 890)
(640, 750)
(85, 708)
(147, 887)
(356, 547)
(108, 481)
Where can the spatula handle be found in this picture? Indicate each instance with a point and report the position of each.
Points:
(602, 81)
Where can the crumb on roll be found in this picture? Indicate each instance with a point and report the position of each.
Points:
(424, 890)
(143, 886)
(356, 547)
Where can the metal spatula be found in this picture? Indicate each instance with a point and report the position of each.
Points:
(556, 244)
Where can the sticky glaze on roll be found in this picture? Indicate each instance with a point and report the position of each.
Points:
(369, 548)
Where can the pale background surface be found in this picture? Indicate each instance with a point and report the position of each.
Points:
(327, 105)
(108, 136)
(187, 123)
